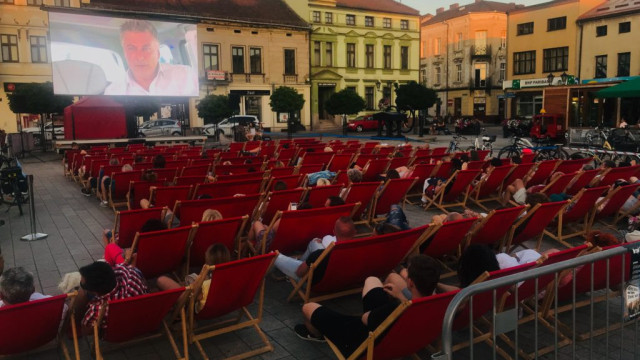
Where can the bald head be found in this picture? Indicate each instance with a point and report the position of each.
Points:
(344, 229)
(453, 216)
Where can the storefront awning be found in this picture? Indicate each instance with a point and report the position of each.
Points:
(628, 89)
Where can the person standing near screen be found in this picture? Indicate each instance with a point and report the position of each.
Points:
(146, 75)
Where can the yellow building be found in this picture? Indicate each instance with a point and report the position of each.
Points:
(366, 46)
(543, 45)
(463, 57)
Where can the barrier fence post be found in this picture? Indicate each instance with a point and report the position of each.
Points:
(32, 218)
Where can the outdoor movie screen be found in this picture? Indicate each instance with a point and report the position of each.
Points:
(99, 55)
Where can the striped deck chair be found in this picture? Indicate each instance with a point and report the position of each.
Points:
(459, 186)
(491, 229)
(488, 188)
(533, 224)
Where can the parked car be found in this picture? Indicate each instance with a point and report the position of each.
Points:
(163, 127)
(227, 126)
(36, 131)
(362, 123)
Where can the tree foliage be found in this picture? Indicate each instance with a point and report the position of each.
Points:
(286, 100)
(345, 102)
(37, 98)
(214, 108)
(414, 96)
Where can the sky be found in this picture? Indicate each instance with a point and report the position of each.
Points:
(430, 6)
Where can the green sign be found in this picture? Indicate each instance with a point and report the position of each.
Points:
(515, 84)
(571, 80)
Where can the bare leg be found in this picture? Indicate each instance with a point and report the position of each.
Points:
(307, 311)
(167, 283)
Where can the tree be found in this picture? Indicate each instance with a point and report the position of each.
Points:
(214, 108)
(345, 102)
(413, 96)
(287, 100)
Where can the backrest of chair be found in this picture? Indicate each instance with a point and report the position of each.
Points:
(558, 185)
(476, 165)
(382, 253)
(173, 164)
(29, 325)
(448, 237)
(317, 196)
(120, 182)
(439, 151)
(570, 166)
(234, 285)
(168, 195)
(195, 170)
(189, 180)
(283, 171)
(528, 158)
(161, 252)
(317, 158)
(129, 222)
(496, 224)
(165, 174)
(292, 181)
(228, 188)
(518, 173)
(238, 146)
(584, 204)
(95, 165)
(280, 200)
(340, 162)
(443, 171)
(240, 177)
(139, 315)
(422, 172)
(295, 232)
(309, 168)
(235, 169)
(618, 173)
(201, 162)
(392, 193)
(397, 162)
(491, 184)
(582, 181)
(374, 169)
(222, 231)
(191, 210)
(362, 158)
(461, 184)
(615, 199)
(108, 170)
(139, 190)
(539, 220)
(363, 193)
(385, 150)
(543, 172)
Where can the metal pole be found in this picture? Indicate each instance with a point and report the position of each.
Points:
(32, 219)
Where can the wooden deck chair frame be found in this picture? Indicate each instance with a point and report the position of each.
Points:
(607, 201)
(116, 224)
(235, 249)
(530, 214)
(438, 198)
(495, 180)
(115, 203)
(372, 216)
(498, 236)
(543, 171)
(196, 335)
(559, 184)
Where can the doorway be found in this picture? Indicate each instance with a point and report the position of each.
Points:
(252, 106)
(324, 93)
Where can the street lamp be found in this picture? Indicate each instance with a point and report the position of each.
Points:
(564, 77)
(550, 78)
(378, 84)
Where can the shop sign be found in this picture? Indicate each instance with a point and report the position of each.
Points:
(216, 75)
(480, 100)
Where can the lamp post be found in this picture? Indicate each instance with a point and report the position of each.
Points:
(550, 78)
(564, 78)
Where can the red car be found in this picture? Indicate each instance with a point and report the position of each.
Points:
(362, 123)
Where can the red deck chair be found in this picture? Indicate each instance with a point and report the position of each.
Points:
(189, 180)
(363, 159)
(528, 158)
(542, 173)
(448, 238)
(279, 201)
(533, 224)
(558, 185)
(108, 170)
(68, 161)
(119, 187)
(491, 229)
(139, 190)
(235, 169)
(371, 144)
(317, 196)
(233, 287)
(476, 165)
(422, 152)
(518, 172)
(422, 172)
(482, 154)
(294, 232)
(34, 324)
(267, 151)
(129, 222)
(283, 171)
(162, 196)
(236, 146)
(488, 188)
(292, 181)
(584, 178)
(224, 231)
(341, 178)
(308, 168)
(220, 189)
(340, 162)
(226, 155)
(95, 164)
(174, 164)
(197, 170)
(612, 204)
(241, 177)
(363, 193)
(383, 254)
(618, 173)
(212, 153)
(439, 151)
(141, 317)
(161, 252)
(443, 171)
(570, 166)
(373, 169)
(397, 162)
(190, 211)
(385, 150)
(285, 155)
(393, 192)
(165, 174)
(316, 158)
(462, 181)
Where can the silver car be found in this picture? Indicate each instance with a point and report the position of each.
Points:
(227, 126)
(164, 127)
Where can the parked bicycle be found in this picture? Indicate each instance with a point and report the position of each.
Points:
(545, 150)
(487, 142)
(454, 144)
(515, 148)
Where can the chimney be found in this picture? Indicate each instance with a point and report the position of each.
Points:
(453, 6)
(439, 10)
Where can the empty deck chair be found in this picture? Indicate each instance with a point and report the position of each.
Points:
(491, 229)
(340, 162)
(558, 185)
(393, 192)
(190, 211)
(343, 277)
(233, 287)
(373, 169)
(223, 231)
(228, 188)
(458, 185)
(318, 195)
(488, 187)
(611, 205)
(447, 239)
(129, 222)
(583, 179)
(363, 193)
(533, 224)
(119, 187)
(161, 252)
(141, 317)
(162, 196)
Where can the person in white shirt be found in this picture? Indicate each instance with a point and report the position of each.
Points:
(146, 75)
(16, 287)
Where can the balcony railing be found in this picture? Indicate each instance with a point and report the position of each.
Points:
(247, 78)
(481, 51)
(290, 79)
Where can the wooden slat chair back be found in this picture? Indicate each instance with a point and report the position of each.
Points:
(492, 228)
(190, 211)
(129, 222)
(224, 231)
(220, 189)
(168, 195)
(318, 195)
(535, 221)
(161, 252)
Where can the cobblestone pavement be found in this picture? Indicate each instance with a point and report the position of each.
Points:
(74, 224)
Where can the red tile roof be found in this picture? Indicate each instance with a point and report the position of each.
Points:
(611, 8)
(271, 12)
(475, 7)
(388, 6)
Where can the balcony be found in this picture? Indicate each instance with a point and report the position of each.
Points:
(479, 84)
(247, 78)
(290, 79)
(481, 52)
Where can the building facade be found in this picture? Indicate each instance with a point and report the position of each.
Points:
(463, 58)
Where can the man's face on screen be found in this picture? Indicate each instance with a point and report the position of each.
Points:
(141, 50)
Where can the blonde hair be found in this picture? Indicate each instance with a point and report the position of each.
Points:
(217, 254)
(127, 167)
(211, 214)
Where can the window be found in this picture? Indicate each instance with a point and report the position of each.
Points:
(404, 57)
(316, 16)
(368, 21)
(64, 3)
(38, 49)
(328, 54)
(34, 2)
(601, 66)
(328, 18)
(503, 71)
(436, 46)
(351, 19)
(9, 45)
(368, 97)
(210, 55)
(386, 23)
(316, 53)
(503, 39)
(237, 59)
(289, 62)
(387, 56)
(480, 72)
(624, 27)
(352, 88)
(556, 59)
(255, 60)
(524, 62)
(459, 41)
(351, 55)
(459, 72)
(624, 59)
(601, 30)
(558, 23)
(404, 24)
(525, 28)
(369, 55)
(438, 75)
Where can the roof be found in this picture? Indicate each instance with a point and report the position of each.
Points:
(541, 5)
(475, 7)
(611, 8)
(388, 6)
(271, 12)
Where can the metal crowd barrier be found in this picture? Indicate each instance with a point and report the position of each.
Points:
(612, 342)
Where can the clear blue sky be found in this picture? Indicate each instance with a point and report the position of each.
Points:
(430, 6)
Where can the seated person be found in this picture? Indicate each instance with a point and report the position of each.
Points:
(379, 300)
(354, 175)
(16, 287)
(114, 254)
(107, 183)
(519, 192)
(334, 201)
(92, 183)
